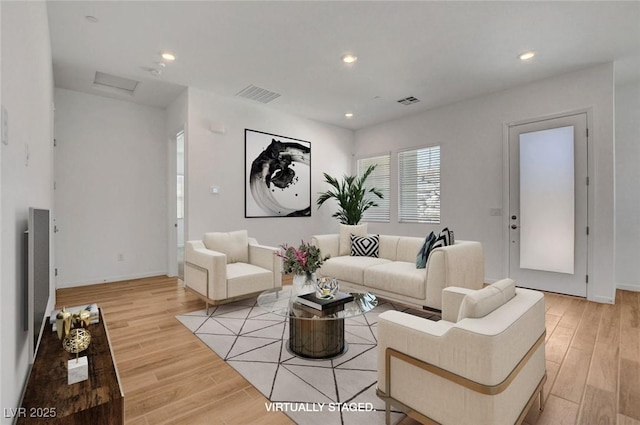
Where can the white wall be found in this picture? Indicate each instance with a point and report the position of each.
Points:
(471, 137)
(111, 192)
(27, 94)
(627, 192)
(215, 159)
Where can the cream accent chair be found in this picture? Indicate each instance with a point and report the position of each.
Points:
(224, 267)
(482, 364)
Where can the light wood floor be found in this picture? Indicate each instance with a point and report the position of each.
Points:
(170, 377)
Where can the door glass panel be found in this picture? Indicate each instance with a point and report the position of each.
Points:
(180, 201)
(547, 200)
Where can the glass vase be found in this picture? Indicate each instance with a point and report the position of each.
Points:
(303, 283)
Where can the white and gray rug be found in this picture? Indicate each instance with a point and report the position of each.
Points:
(324, 392)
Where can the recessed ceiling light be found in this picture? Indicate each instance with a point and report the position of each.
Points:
(527, 55)
(168, 56)
(349, 58)
(348, 115)
(91, 19)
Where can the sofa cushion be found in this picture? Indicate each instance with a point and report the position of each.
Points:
(345, 236)
(399, 277)
(425, 250)
(350, 269)
(365, 246)
(408, 246)
(482, 302)
(235, 245)
(243, 278)
(388, 247)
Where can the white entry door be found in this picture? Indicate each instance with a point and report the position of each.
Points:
(548, 188)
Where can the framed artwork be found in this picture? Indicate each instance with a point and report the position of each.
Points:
(277, 176)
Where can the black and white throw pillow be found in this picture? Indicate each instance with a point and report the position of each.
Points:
(448, 236)
(440, 242)
(365, 246)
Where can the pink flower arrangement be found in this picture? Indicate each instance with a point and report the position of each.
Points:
(305, 259)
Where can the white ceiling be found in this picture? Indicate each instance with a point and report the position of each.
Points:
(439, 52)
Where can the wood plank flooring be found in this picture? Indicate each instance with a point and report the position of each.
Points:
(170, 377)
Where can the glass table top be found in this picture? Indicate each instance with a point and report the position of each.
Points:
(280, 302)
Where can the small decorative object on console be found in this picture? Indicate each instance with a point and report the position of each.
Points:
(80, 313)
(77, 369)
(71, 328)
(77, 341)
(63, 323)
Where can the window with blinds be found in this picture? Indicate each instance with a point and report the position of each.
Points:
(419, 179)
(379, 179)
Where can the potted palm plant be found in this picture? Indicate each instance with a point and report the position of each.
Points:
(352, 195)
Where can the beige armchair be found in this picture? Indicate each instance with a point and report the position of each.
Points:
(482, 364)
(223, 267)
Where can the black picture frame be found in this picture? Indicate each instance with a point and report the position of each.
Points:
(277, 175)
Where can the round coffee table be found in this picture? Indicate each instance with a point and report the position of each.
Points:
(315, 334)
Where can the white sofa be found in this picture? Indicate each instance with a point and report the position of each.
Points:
(482, 364)
(223, 267)
(394, 276)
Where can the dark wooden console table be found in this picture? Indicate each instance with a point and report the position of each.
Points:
(48, 399)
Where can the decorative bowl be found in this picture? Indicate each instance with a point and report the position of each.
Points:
(326, 287)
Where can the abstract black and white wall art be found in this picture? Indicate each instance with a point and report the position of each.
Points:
(278, 176)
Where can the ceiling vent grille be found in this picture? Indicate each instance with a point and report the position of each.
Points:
(115, 83)
(258, 94)
(409, 100)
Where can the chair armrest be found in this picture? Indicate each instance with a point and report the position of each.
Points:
(409, 334)
(452, 297)
(461, 264)
(196, 253)
(215, 265)
(265, 257)
(329, 244)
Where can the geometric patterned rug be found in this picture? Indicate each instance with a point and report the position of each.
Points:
(340, 391)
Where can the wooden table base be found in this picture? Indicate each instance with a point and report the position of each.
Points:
(316, 338)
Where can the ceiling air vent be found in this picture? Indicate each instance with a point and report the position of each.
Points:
(114, 83)
(409, 100)
(258, 94)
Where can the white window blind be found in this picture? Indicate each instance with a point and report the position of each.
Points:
(379, 179)
(419, 179)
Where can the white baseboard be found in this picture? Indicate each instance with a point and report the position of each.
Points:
(603, 300)
(113, 279)
(628, 287)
